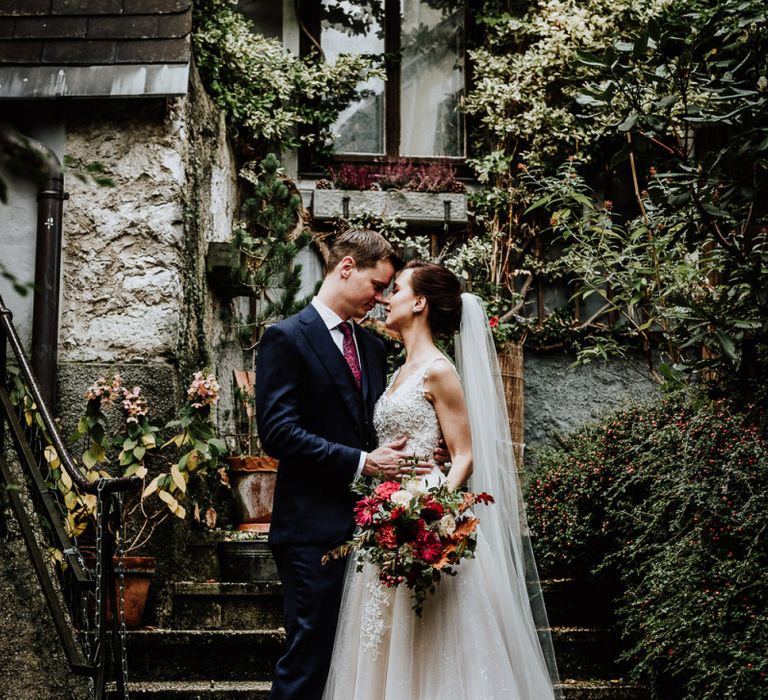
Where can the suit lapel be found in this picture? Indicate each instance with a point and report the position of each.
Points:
(319, 339)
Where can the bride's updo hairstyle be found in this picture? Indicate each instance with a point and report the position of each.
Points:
(442, 290)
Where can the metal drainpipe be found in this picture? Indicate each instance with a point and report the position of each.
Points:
(45, 321)
(50, 211)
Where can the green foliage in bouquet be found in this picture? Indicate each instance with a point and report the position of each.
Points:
(671, 501)
(414, 535)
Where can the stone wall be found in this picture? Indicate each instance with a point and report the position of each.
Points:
(560, 398)
(136, 299)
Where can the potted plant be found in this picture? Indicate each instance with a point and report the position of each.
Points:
(252, 474)
(121, 437)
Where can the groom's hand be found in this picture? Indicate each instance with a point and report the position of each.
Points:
(385, 460)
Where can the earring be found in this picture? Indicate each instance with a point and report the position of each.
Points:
(415, 310)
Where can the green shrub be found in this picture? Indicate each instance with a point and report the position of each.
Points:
(671, 499)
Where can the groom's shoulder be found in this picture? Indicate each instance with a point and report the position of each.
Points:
(293, 323)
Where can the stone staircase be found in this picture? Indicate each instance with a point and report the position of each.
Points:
(223, 638)
(586, 641)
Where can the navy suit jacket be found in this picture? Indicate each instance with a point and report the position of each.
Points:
(314, 420)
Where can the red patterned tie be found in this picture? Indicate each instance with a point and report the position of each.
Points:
(350, 353)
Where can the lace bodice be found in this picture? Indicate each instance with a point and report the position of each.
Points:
(406, 411)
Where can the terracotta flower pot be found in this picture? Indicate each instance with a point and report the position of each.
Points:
(138, 573)
(252, 480)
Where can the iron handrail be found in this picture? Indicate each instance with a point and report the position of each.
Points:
(86, 654)
(112, 484)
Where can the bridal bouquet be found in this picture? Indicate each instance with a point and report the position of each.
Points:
(413, 534)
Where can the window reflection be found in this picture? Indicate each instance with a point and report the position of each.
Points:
(356, 28)
(432, 81)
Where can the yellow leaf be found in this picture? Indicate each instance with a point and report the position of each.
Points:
(193, 459)
(52, 457)
(66, 480)
(177, 440)
(152, 487)
(167, 498)
(173, 505)
(89, 502)
(178, 478)
(141, 472)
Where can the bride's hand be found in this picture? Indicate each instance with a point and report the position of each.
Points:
(385, 461)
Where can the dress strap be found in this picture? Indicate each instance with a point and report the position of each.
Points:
(428, 365)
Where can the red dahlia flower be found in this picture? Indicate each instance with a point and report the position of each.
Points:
(365, 509)
(428, 547)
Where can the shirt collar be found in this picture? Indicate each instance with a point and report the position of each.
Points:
(330, 318)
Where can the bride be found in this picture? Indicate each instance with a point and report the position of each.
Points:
(477, 638)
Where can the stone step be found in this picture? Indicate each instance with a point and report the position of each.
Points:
(218, 605)
(615, 689)
(586, 652)
(202, 655)
(603, 689)
(246, 560)
(199, 690)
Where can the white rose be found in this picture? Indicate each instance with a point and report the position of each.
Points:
(416, 487)
(401, 498)
(446, 525)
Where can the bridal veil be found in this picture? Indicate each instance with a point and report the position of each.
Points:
(504, 525)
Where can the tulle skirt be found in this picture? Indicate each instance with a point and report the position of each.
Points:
(472, 641)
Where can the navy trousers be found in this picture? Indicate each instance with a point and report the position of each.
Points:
(312, 594)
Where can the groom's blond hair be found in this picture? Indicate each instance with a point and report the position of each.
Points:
(365, 246)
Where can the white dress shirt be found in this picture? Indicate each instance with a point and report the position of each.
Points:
(332, 322)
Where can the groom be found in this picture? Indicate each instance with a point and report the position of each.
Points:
(317, 380)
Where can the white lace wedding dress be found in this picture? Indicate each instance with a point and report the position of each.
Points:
(457, 648)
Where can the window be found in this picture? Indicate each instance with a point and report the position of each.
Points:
(415, 112)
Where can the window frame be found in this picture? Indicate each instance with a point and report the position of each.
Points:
(310, 26)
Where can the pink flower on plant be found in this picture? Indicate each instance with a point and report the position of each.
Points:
(134, 405)
(106, 391)
(204, 390)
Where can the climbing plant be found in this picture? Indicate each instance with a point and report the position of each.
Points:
(272, 99)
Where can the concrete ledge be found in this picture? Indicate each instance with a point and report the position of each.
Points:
(414, 207)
